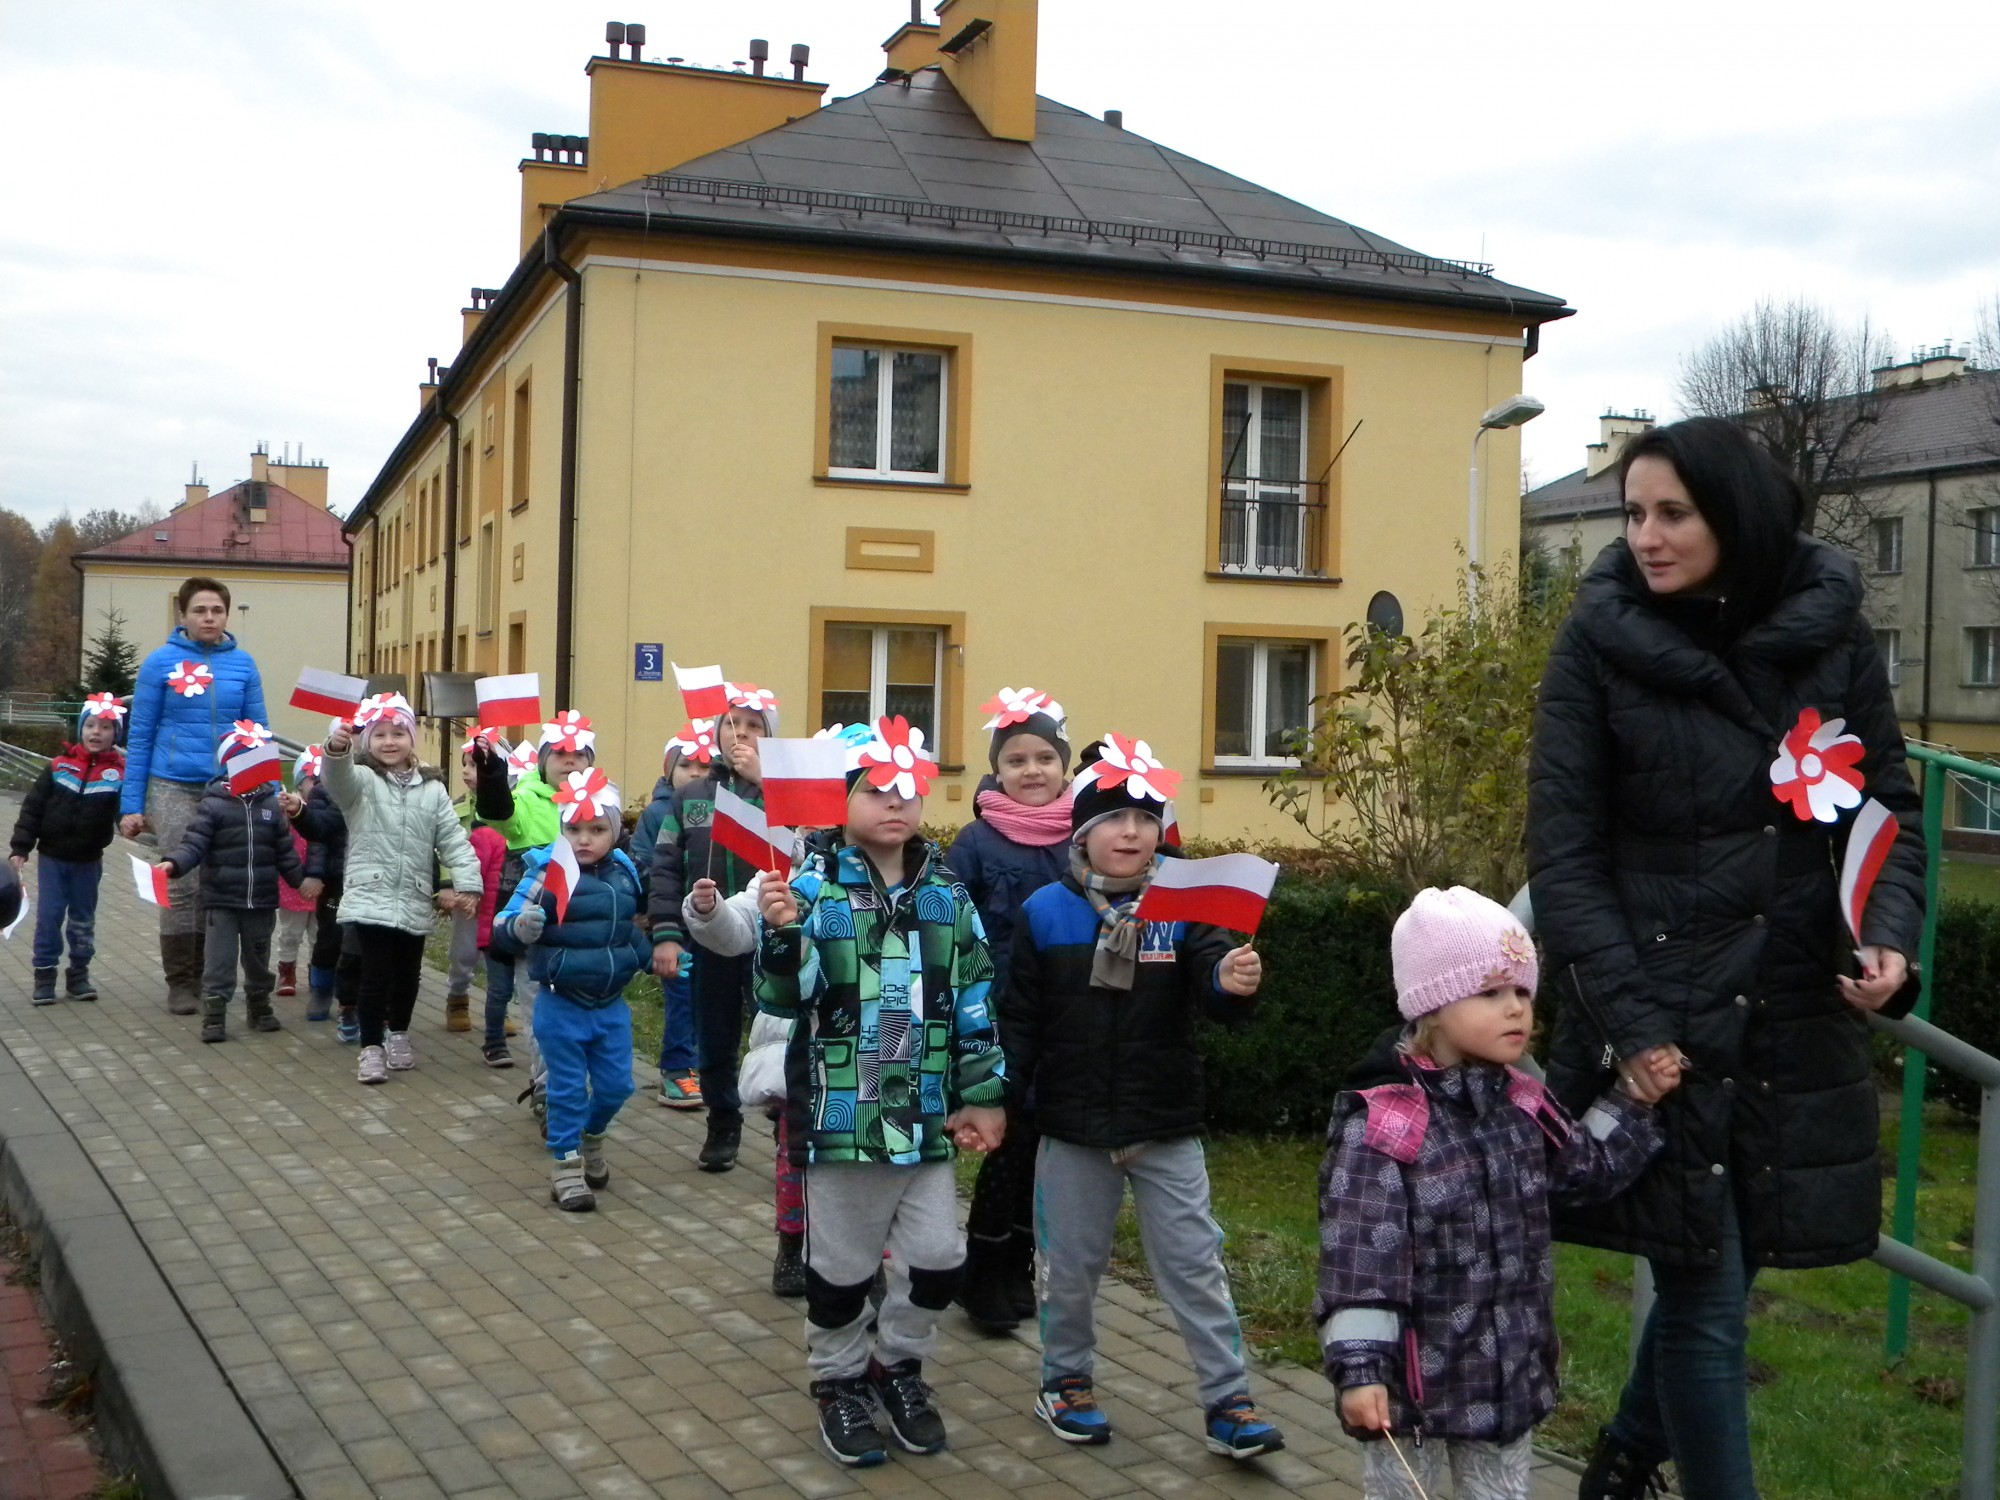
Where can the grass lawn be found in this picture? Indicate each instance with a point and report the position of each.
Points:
(1973, 879)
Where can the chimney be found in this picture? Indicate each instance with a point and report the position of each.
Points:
(470, 318)
(195, 491)
(1115, 118)
(306, 480)
(988, 53)
(1614, 431)
(260, 462)
(1924, 367)
(914, 45)
(427, 389)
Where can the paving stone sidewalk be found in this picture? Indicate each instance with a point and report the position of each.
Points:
(405, 1315)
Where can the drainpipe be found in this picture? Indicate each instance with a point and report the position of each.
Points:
(445, 757)
(566, 508)
(347, 645)
(1930, 596)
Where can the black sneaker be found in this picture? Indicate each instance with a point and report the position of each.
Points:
(904, 1395)
(1616, 1472)
(725, 1138)
(788, 1268)
(497, 1055)
(847, 1423)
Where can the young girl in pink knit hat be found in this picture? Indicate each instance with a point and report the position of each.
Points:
(1436, 1282)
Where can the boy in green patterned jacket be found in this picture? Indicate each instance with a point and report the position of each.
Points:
(878, 958)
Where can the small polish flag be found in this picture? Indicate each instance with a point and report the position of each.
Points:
(509, 700)
(561, 877)
(253, 768)
(741, 828)
(1230, 890)
(805, 782)
(151, 881)
(328, 692)
(1869, 841)
(703, 691)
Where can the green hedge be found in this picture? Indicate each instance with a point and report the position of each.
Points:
(43, 739)
(1965, 990)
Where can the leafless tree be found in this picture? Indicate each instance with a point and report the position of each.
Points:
(1803, 382)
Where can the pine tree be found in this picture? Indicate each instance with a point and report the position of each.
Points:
(114, 661)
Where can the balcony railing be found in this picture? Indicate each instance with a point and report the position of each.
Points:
(1273, 529)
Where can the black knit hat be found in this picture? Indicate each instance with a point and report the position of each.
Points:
(1119, 775)
(1026, 711)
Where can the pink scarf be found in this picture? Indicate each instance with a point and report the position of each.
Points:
(1038, 827)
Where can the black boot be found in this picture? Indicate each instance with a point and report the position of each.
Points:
(1616, 1472)
(1018, 1276)
(725, 1137)
(45, 986)
(180, 959)
(213, 1028)
(982, 1291)
(79, 986)
(788, 1270)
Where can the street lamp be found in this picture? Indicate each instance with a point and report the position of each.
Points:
(1512, 412)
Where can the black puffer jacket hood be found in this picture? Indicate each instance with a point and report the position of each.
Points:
(1680, 901)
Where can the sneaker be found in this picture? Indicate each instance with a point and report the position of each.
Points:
(1071, 1410)
(497, 1055)
(725, 1138)
(596, 1171)
(568, 1186)
(1616, 1472)
(348, 1031)
(906, 1397)
(681, 1090)
(1236, 1431)
(402, 1057)
(847, 1423)
(373, 1067)
(788, 1267)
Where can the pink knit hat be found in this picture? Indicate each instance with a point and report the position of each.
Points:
(1455, 943)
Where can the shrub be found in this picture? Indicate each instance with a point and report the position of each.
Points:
(1965, 991)
(42, 739)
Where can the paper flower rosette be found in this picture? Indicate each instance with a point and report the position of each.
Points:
(1817, 772)
(1132, 764)
(103, 706)
(311, 761)
(380, 706)
(894, 760)
(696, 741)
(749, 695)
(569, 730)
(244, 734)
(582, 795)
(1012, 706)
(191, 679)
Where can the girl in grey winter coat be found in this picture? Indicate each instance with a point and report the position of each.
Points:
(400, 827)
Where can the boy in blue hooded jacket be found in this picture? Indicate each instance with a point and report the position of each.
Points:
(581, 962)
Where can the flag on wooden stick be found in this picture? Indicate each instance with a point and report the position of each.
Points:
(514, 699)
(742, 828)
(250, 769)
(1230, 890)
(703, 690)
(151, 881)
(805, 782)
(328, 692)
(1868, 844)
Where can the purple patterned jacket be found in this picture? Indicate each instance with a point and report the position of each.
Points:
(1436, 1278)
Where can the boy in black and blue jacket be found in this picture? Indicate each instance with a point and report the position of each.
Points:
(582, 962)
(70, 814)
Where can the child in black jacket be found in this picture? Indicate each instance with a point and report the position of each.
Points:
(70, 814)
(243, 842)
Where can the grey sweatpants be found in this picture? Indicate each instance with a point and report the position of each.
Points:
(232, 931)
(170, 807)
(464, 962)
(1077, 1194)
(1479, 1471)
(854, 1212)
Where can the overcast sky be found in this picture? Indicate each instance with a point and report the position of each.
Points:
(233, 222)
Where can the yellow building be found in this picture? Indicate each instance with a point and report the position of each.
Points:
(886, 402)
(272, 541)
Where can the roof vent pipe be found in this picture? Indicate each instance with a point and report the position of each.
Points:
(801, 55)
(635, 35)
(760, 53)
(614, 36)
(1115, 118)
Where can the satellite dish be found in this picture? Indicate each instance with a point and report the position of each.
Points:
(1385, 613)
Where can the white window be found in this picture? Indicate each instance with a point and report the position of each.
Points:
(886, 414)
(870, 671)
(1263, 694)
(1890, 644)
(1270, 514)
(1985, 537)
(1976, 806)
(1982, 656)
(1889, 545)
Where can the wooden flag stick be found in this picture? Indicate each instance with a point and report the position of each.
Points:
(1415, 1483)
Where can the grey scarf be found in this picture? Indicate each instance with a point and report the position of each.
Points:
(1115, 964)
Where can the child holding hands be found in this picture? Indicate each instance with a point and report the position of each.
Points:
(1436, 1282)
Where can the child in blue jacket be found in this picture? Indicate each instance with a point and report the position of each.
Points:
(582, 963)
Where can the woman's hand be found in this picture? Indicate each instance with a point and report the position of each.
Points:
(1365, 1407)
(1649, 1076)
(1884, 971)
(132, 825)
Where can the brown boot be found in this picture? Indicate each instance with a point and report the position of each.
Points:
(458, 1013)
(180, 959)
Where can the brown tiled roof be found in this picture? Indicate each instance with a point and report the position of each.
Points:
(294, 534)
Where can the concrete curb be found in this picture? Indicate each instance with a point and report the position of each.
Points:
(165, 1412)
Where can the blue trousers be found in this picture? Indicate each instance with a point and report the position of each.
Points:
(1688, 1397)
(587, 1053)
(66, 891)
(499, 995)
(677, 1048)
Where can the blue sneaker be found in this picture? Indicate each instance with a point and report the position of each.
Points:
(1236, 1431)
(1070, 1408)
(348, 1029)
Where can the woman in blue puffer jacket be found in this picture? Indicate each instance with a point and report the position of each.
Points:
(189, 692)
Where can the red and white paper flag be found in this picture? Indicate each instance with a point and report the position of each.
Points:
(560, 877)
(252, 768)
(151, 881)
(741, 828)
(805, 782)
(1230, 890)
(1869, 841)
(328, 692)
(516, 699)
(703, 690)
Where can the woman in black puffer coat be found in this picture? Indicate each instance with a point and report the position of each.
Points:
(1691, 917)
